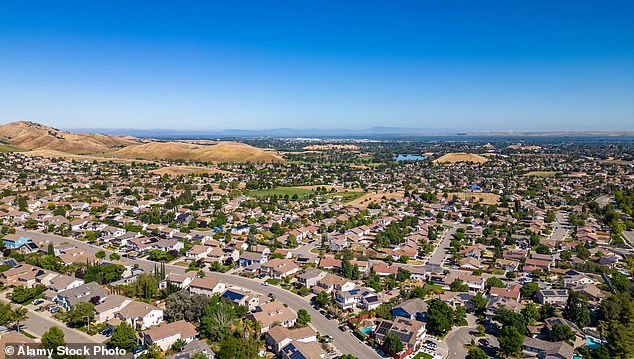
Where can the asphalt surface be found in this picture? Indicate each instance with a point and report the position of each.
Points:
(38, 323)
(345, 342)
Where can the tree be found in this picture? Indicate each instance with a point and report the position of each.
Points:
(19, 314)
(53, 338)
(81, 313)
(530, 313)
(440, 317)
(392, 342)
(303, 318)
(184, 306)
(495, 282)
(123, 336)
(216, 324)
(529, 290)
(479, 302)
(347, 356)
(323, 299)
(458, 286)
(114, 256)
(100, 254)
(576, 309)
(510, 340)
(51, 250)
(620, 282)
(402, 274)
(559, 332)
(476, 353)
(6, 314)
(178, 345)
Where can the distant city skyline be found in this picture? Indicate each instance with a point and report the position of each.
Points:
(464, 66)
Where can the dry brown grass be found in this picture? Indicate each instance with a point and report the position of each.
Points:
(55, 143)
(219, 152)
(484, 198)
(186, 170)
(33, 136)
(72, 156)
(363, 201)
(460, 157)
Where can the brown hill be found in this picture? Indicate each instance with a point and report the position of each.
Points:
(34, 136)
(41, 139)
(219, 152)
(460, 157)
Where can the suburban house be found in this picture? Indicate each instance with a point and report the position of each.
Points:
(166, 334)
(249, 258)
(107, 309)
(206, 286)
(552, 296)
(140, 315)
(271, 313)
(411, 332)
(88, 292)
(310, 277)
(547, 350)
(414, 308)
(278, 337)
(279, 268)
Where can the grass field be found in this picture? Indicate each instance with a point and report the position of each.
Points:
(281, 191)
(348, 196)
(9, 148)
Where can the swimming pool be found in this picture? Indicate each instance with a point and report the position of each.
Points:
(366, 330)
(592, 343)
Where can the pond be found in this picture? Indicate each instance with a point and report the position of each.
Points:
(405, 157)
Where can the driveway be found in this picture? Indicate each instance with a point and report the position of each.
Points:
(344, 341)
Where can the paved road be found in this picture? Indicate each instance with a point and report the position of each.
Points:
(344, 341)
(560, 231)
(442, 250)
(457, 339)
(38, 323)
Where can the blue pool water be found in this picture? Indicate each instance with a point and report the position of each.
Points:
(591, 343)
(410, 158)
(366, 330)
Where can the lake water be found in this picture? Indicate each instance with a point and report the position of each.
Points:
(410, 158)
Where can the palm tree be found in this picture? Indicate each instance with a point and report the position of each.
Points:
(19, 314)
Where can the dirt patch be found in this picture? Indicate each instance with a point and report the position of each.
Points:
(484, 198)
(186, 170)
(460, 157)
(363, 201)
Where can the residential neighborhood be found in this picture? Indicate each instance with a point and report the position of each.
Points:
(525, 254)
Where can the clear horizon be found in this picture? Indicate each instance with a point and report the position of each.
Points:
(491, 66)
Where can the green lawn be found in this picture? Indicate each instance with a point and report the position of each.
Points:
(422, 355)
(281, 192)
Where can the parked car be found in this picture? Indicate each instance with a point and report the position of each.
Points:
(430, 345)
(271, 295)
(483, 342)
(37, 301)
(342, 328)
(326, 339)
(53, 309)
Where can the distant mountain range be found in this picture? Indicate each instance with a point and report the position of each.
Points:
(372, 132)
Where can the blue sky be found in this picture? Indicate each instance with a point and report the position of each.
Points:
(463, 65)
